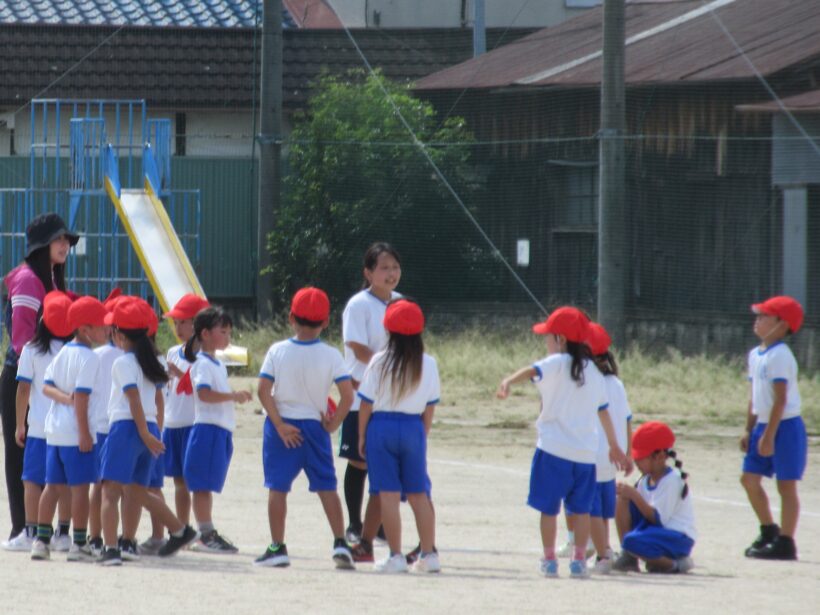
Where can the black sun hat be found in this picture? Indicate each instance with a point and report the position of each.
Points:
(44, 229)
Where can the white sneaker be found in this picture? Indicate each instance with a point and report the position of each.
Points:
(566, 550)
(21, 542)
(392, 565)
(77, 553)
(61, 542)
(685, 564)
(428, 563)
(40, 550)
(603, 566)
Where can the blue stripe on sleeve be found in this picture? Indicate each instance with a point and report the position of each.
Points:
(20, 378)
(433, 402)
(131, 385)
(267, 376)
(364, 397)
(343, 378)
(83, 390)
(199, 387)
(780, 380)
(604, 407)
(49, 382)
(538, 373)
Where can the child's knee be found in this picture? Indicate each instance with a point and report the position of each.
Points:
(787, 488)
(750, 481)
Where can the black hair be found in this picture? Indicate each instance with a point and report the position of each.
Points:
(52, 277)
(304, 322)
(679, 465)
(606, 363)
(208, 318)
(402, 363)
(371, 257)
(146, 355)
(43, 336)
(580, 354)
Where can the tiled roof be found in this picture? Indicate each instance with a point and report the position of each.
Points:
(807, 102)
(207, 67)
(666, 43)
(182, 13)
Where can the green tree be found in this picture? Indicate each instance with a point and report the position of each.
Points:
(355, 177)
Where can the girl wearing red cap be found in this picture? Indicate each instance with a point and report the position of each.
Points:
(32, 406)
(655, 519)
(573, 402)
(775, 442)
(48, 241)
(399, 393)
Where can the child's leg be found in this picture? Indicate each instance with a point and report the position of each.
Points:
(79, 511)
(623, 518)
(95, 511)
(64, 507)
(581, 524)
(425, 520)
(157, 528)
(182, 499)
(333, 510)
(753, 484)
(790, 507)
(145, 498)
(110, 510)
(203, 503)
(31, 500)
(570, 526)
(549, 529)
(372, 518)
(599, 529)
(277, 512)
(131, 511)
(661, 564)
(391, 519)
(354, 481)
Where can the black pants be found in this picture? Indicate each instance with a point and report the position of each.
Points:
(14, 454)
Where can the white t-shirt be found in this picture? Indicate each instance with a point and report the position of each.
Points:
(73, 370)
(774, 364)
(378, 391)
(568, 425)
(363, 323)
(31, 368)
(101, 396)
(126, 374)
(621, 414)
(302, 373)
(210, 373)
(675, 513)
(179, 407)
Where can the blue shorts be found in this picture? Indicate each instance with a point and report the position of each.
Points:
(157, 478)
(315, 456)
(790, 451)
(553, 479)
(396, 449)
(349, 446)
(125, 458)
(66, 465)
(34, 461)
(175, 440)
(210, 448)
(101, 438)
(649, 541)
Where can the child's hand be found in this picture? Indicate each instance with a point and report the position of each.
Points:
(744, 443)
(290, 434)
(330, 423)
(174, 371)
(628, 467)
(362, 446)
(617, 456)
(20, 436)
(628, 492)
(86, 443)
(153, 443)
(242, 397)
(765, 446)
(503, 390)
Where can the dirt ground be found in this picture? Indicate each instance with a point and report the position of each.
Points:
(488, 540)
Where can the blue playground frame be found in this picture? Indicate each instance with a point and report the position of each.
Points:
(73, 186)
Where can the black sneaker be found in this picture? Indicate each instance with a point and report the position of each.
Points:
(342, 555)
(781, 548)
(212, 542)
(768, 533)
(96, 545)
(626, 562)
(414, 555)
(110, 557)
(128, 550)
(275, 556)
(353, 533)
(175, 543)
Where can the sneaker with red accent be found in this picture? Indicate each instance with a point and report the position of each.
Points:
(363, 552)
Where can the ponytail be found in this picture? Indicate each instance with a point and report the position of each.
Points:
(208, 318)
(606, 363)
(679, 465)
(580, 354)
(146, 355)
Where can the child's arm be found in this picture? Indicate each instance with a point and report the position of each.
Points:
(360, 351)
(159, 399)
(616, 455)
(427, 418)
(365, 410)
(629, 464)
(631, 494)
(290, 434)
(23, 392)
(751, 419)
(765, 445)
(135, 405)
(522, 375)
(52, 392)
(345, 388)
(174, 371)
(209, 396)
(81, 412)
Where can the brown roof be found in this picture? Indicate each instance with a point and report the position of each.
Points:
(808, 102)
(315, 14)
(666, 42)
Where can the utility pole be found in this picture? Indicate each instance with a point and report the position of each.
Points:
(270, 149)
(613, 238)
(479, 29)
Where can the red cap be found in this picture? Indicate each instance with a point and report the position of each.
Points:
(404, 317)
(153, 322)
(187, 307)
(86, 311)
(598, 339)
(55, 313)
(311, 304)
(130, 313)
(570, 322)
(785, 308)
(650, 437)
(112, 298)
